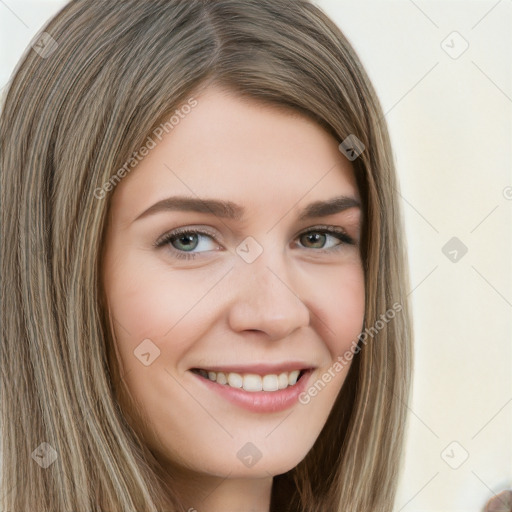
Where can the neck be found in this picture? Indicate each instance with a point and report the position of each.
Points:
(214, 494)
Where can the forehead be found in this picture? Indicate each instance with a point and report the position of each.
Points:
(233, 148)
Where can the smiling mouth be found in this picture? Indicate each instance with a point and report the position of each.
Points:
(253, 382)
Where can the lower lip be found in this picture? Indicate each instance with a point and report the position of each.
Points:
(260, 401)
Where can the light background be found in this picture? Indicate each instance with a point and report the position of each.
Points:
(450, 121)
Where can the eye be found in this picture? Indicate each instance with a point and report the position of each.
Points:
(185, 242)
(319, 236)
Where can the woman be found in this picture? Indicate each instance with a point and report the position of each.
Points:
(269, 370)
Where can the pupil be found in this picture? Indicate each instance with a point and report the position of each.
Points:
(315, 238)
(189, 240)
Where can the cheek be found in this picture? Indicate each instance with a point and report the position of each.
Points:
(340, 307)
(148, 301)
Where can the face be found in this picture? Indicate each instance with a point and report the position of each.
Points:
(256, 292)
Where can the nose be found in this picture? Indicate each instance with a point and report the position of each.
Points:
(265, 300)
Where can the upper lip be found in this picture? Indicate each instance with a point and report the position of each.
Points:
(259, 369)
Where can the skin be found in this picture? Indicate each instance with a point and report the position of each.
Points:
(293, 302)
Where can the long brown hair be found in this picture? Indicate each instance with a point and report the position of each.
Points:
(106, 74)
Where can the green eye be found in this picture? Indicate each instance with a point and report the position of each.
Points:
(184, 242)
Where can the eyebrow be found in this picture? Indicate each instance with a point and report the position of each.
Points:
(233, 211)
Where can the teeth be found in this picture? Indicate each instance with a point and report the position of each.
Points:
(282, 380)
(269, 383)
(235, 380)
(252, 382)
(292, 378)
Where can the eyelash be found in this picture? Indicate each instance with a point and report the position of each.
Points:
(166, 239)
